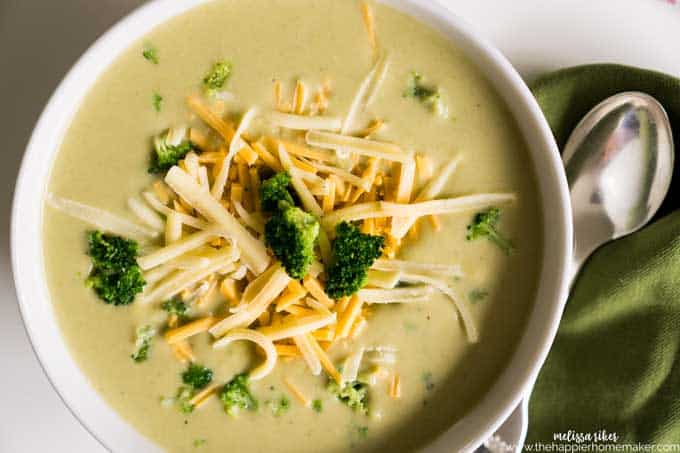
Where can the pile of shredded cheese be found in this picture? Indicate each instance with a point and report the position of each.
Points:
(206, 211)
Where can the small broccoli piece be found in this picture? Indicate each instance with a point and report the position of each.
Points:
(274, 190)
(115, 275)
(280, 407)
(143, 343)
(428, 96)
(150, 54)
(183, 399)
(235, 395)
(353, 254)
(353, 394)
(484, 225)
(216, 78)
(197, 376)
(291, 233)
(156, 101)
(428, 381)
(176, 307)
(200, 442)
(477, 295)
(317, 405)
(415, 88)
(169, 148)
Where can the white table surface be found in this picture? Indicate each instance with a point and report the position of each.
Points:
(41, 39)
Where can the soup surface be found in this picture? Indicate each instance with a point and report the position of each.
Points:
(103, 161)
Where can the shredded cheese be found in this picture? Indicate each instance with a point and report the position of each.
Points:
(182, 351)
(303, 123)
(316, 289)
(361, 146)
(424, 208)
(287, 350)
(301, 150)
(101, 219)
(235, 145)
(253, 251)
(225, 130)
(308, 201)
(396, 295)
(297, 326)
(369, 21)
(257, 297)
(342, 174)
(293, 293)
(177, 247)
(186, 219)
(185, 278)
(201, 397)
(358, 327)
(299, 97)
(262, 341)
(267, 157)
(348, 316)
(188, 330)
(146, 215)
(395, 387)
(249, 220)
(445, 270)
(308, 354)
(460, 304)
(296, 392)
(350, 368)
(326, 362)
(401, 225)
(198, 138)
(382, 278)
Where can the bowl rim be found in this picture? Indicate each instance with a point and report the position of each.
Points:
(74, 388)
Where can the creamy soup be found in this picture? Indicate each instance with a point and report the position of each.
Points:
(426, 373)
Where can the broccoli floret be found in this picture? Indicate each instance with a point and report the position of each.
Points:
(353, 394)
(274, 190)
(183, 399)
(477, 294)
(280, 407)
(176, 307)
(115, 275)
(217, 76)
(353, 254)
(156, 101)
(197, 376)
(143, 343)
(291, 233)
(150, 54)
(235, 395)
(317, 405)
(484, 225)
(428, 96)
(169, 148)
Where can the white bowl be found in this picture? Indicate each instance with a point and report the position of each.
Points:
(26, 238)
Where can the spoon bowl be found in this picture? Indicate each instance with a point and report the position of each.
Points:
(619, 163)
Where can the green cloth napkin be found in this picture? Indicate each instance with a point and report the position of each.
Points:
(615, 364)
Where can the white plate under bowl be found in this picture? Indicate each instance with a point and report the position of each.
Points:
(26, 238)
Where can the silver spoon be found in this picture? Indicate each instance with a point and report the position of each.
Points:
(619, 163)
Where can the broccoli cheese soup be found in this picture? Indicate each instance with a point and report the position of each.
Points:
(292, 226)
